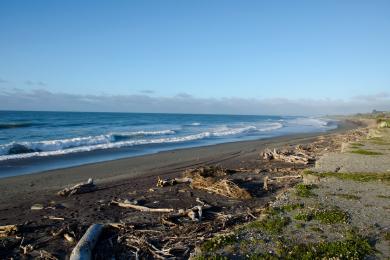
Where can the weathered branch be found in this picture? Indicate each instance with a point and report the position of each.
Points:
(141, 208)
(83, 187)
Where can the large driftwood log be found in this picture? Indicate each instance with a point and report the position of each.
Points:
(83, 187)
(83, 249)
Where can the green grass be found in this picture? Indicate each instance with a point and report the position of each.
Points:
(324, 216)
(353, 247)
(273, 224)
(365, 152)
(383, 197)
(356, 145)
(291, 207)
(304, 190)
(303, 216)
(330, 216)
(299, 225)
(346, 196)
(219, 242)
(361, 177)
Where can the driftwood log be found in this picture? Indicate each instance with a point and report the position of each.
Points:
(141, 208)
(171, 182)
(79, 188)
(83, 249)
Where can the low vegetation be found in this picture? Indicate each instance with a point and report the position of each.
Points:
(346, 196)
(356, 145)
(273, 224)
(324, 216)
(304, 190)
(354, 247)
(219, 242)
(365, 152)
(355, 176)
(291, 207)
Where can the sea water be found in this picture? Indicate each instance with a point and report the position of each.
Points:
(36, 141)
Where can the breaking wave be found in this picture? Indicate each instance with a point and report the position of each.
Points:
(18, 150)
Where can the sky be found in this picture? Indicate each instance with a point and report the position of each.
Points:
(203, 56)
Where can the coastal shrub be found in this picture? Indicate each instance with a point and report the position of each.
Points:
(365, 152)
(304, 190)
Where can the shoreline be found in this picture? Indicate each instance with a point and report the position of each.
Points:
(67, 161)
(148, 166)
(135, 178)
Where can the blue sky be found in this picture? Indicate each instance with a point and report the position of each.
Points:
(263, 50)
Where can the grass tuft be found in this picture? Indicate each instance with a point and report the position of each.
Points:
(346, 196)
(273, 224)
(365, 152)
(218, 242)
(291, 207)
(324, 216)
(330, 216)
(355, 176)
(304, 190)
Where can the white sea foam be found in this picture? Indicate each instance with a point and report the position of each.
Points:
(311, 121)
(109, 141)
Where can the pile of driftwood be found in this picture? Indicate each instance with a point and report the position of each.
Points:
(290, 156)
(209, 179)
(179, 231)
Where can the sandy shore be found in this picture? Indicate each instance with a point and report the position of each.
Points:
(230, 155)
(134, 177)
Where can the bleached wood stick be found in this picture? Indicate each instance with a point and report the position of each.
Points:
(287, 177)
(141, 208)
(83, 249)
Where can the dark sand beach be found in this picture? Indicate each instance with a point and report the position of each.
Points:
(135, 178)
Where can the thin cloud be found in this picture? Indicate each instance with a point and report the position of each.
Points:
(147, 91)
(35, 83)
(41, 99)
(3, 81)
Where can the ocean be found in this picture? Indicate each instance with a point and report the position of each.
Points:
(36, 141)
